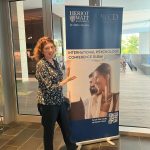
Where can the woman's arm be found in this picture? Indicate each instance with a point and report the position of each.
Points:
(44, 75)
(66, 80)
(68, 77)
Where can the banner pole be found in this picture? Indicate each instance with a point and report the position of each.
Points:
(100, 3)
(95, 3)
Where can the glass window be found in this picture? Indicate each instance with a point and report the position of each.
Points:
(135, 73)
(27, 28)
(135, 55)
(57, 30)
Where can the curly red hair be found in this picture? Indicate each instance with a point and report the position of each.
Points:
(40, 45)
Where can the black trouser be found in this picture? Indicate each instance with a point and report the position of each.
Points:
(51, 114)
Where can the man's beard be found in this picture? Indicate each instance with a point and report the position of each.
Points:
(93, 90)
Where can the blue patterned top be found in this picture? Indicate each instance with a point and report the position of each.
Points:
(49, 76)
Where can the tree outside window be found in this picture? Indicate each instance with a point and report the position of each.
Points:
(130, 44)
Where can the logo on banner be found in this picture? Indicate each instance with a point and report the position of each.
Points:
(72, 18)
(79, 18)
(107, 18)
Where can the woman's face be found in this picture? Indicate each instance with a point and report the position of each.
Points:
(49, 51)
(100, 81)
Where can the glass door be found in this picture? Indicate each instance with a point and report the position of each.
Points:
(27, 28)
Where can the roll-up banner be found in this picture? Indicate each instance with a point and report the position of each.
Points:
(93, 41)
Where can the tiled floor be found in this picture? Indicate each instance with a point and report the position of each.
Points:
(28, 136)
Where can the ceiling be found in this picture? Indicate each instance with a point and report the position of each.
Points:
(134, 11)
(32, 4)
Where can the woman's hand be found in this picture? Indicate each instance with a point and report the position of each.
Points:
(71, 78)
(68, 63)
(68, 72)
(68, 77)
(66, 80)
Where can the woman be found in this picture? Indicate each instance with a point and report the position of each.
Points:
(50, 97)
(102, 81)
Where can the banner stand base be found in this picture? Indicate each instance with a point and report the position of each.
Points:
(107, 139)
(79, 147)
(110, 142)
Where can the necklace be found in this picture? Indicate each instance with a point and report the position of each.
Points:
(51, 61)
